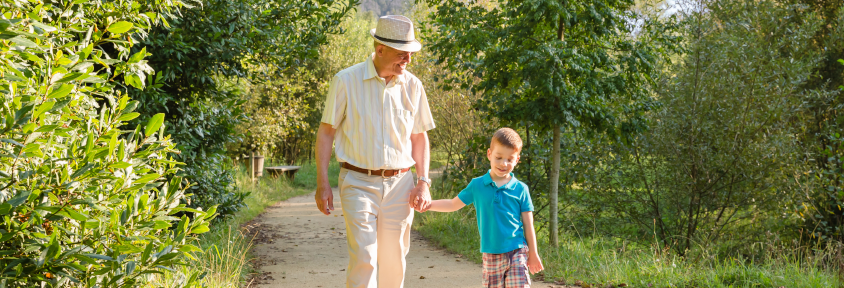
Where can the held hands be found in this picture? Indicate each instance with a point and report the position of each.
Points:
(324, 198)
(420, 197)
(534, 263)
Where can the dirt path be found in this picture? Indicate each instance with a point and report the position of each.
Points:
(297, 246)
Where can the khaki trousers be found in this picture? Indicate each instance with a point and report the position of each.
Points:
(378, 220)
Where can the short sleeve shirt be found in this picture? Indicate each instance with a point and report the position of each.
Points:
(374, 119)
(499, 212)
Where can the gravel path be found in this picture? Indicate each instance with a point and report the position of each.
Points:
(296, 246)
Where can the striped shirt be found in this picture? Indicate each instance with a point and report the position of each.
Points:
(374, 119)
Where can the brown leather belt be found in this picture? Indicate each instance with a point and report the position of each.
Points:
(382, 172)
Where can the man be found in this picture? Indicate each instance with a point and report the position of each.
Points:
(376, 113)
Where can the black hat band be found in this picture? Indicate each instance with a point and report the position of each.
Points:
(392, 40)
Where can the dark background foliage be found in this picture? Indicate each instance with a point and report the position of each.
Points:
(218, 40)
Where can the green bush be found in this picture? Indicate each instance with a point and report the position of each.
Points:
(84, 203)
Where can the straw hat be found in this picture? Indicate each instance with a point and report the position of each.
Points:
(396, 31)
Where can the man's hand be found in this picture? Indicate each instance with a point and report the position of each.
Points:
(420, 197)
(534, 263)
(324, 198)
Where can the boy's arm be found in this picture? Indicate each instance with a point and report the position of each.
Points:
(446, 205)
(534, 263)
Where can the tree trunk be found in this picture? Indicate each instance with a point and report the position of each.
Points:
(555, 168)
(555, 183)
(527, 147)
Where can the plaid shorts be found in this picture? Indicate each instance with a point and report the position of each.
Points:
(507, 270)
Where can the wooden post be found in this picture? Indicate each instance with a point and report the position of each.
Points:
(555, 184)
(252, 166)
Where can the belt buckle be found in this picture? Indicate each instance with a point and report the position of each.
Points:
(382, 173)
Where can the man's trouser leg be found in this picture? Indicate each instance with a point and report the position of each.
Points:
(378, 220)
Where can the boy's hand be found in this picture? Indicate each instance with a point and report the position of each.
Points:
(534, 263)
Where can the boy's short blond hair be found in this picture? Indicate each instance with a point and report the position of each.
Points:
(507, 137)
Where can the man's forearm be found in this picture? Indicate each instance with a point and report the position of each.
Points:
(421, 153)
(325, 139)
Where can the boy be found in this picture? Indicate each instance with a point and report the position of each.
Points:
(504, 213)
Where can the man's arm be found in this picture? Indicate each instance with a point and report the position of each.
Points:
(534, 263)
(446, 205)
(324, 197)
(420, 196)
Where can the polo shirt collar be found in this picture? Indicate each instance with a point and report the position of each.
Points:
(509, 186)
(370, 71)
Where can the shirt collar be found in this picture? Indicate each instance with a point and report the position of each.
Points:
(371, 73)
(509, 186)
(370, 68)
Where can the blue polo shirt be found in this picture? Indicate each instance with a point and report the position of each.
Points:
(499, 212)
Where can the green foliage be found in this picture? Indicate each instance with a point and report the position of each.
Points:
(548, 64)
(721, 162)
(596, 77)
(285, 111)
(385, 7)
(226, 40)
(84, 203)
(826, 215)
(827, 218)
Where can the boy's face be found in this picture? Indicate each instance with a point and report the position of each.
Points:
(502, 159)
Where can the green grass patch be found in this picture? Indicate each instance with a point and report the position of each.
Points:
(225, 256)
(600, 262)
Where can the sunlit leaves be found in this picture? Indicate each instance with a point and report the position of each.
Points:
(75, 186)
(120, 27)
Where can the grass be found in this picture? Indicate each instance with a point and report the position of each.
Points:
(600, 262)
(225, 256)
(438, 159)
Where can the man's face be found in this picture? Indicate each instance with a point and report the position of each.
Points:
(396, 60)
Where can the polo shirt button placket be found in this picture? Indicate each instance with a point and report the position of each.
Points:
(385, 124)
(497, 197)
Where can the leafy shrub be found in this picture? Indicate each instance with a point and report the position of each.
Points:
(201, 133)
(84, 203)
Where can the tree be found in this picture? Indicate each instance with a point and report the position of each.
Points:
(821, 116)
(554, 64)
(226, 40)
(84, 203)
(721, 158)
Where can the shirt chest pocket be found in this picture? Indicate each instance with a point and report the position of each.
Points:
(403, 122)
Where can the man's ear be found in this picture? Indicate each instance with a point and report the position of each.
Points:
(379, 50)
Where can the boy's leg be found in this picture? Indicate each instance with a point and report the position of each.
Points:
(361, 197)
(517, 273)
(495, 266)
(394, 230)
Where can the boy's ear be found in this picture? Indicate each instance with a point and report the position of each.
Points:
(489, 152)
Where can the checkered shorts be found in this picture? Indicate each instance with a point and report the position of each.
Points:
(507, 270)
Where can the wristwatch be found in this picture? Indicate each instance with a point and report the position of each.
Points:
(426, 180)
